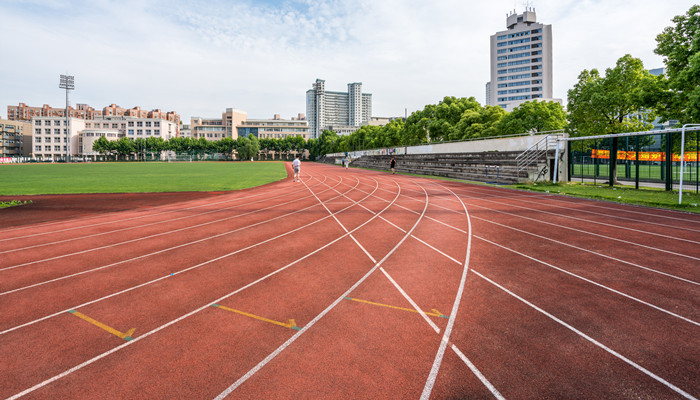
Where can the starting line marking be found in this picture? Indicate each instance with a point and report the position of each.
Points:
(291, 325)
(435, 312)
(126, 336)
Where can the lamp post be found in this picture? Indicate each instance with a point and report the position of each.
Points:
(68, 83)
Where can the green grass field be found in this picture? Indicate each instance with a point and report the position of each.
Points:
(134, 177)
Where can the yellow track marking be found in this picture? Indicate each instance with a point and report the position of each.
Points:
(126, 336)
(291, 324)
(434, 313)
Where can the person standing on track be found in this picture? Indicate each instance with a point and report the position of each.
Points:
(392, 165)
(296, 165)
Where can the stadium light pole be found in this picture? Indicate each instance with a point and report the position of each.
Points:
(680, 189)
(68, 83)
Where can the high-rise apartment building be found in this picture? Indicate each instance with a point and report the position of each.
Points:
(521, 62)
(341, 112)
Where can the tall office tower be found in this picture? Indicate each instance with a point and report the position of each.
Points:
(521, 62)
(341, 112)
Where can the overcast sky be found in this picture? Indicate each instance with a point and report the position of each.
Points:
(199, 57)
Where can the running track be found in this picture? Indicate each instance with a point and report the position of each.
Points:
(354, 284)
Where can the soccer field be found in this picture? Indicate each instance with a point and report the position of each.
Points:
(18, 179)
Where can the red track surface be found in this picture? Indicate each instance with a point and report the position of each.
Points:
(398, 287)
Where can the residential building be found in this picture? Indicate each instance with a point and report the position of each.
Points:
(22, 112)
(49, 139)
(275, 128)
(119, 126)
(218, 128)
(15, 138)
(342, 112)
(521, 62)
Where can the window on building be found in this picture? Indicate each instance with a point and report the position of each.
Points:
(37, 139)
(501, 58)
(56, 122)
(47, 148)
(500, 65)
(56, 148)
(57, 131)
(148, 132)
(37, 131)
(139, 131)
(47, 131)
(156, 123)
(139, 123)
(37, 148)
(37, 122)
(148, 123)
(131, 131)
(131, 123)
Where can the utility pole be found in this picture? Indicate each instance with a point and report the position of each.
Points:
(68, 83)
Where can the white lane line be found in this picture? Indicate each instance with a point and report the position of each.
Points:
(571, 273)
(585, 220)
(308, 326)
(586, 232)
(430, 382)
(591, 340)
(117, 213)
(341, 225)
(161, 278)
(204, 307)
(591, 252)
(568, 245)
(602, 346)
(454, 348)
(188, 216)
(169, 248)
(136, 239)
(592, 282)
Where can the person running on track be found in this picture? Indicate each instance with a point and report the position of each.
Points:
(296, 164)
(392, 165)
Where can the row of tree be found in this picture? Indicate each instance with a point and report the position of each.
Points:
(244, 147)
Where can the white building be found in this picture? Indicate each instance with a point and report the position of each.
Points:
(341, 112)
(50, 141)
(521, 62)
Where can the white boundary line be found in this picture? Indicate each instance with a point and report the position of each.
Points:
(308, 326)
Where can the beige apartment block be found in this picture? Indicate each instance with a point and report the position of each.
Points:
(218, 128)
(15, 138)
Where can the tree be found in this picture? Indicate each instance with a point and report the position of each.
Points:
(680, 47)
(124, 147)
(533, 116)
(478, 122)
(611, 104)
(247, 147)
(103, 146)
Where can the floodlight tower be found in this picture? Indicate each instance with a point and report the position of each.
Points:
(68, 83)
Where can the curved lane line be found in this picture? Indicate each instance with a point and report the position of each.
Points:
(308, 326)
(189, 216)
(427, 389)
(206, 306)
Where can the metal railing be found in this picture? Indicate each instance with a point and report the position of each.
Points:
(537, 151)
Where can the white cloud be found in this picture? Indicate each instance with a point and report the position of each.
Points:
(200, 58)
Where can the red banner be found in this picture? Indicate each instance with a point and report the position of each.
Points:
(643, 155)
